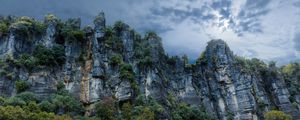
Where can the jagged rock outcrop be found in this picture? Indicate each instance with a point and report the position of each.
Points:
(107, 61)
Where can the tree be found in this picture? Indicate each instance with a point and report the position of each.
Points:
(126, 111)
(277, 115)
(21, 85)
(105, 109)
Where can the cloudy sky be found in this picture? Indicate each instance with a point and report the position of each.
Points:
(266, 29)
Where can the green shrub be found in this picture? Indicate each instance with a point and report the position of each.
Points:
(126, 72)
(3, 28)
(27, 96)
(17, 113)
(143, 113)
(59, 54)
(172, 60)
(2, 100)
(277, 115)
(46, 106)
(50, 17)
(145, 62)
(22, 85)
(32, 107)
(116, 60)
(26, 60)
(14, 101)
(126, 111)
(184, 112)
(119, 26)
(64, 102)
(26, 26)
(71, 33)
(106, 109)
(44, 56)
(49, 57)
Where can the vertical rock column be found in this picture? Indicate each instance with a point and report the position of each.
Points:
(96, 82)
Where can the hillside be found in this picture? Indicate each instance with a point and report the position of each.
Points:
(113, 72)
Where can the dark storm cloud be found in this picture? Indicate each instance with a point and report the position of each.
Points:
(38, 8)
(297, 41)
(247, 20)
(249, 16)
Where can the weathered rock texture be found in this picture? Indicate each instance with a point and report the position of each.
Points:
(217, 81)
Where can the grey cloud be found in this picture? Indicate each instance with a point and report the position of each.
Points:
(297, 41)
(249, 17)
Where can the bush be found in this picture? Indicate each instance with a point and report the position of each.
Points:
(14, 101)
(126, 111)
(183, 112)
(143, 113)
(277, 115)
(27, 61)
(172, 60)
(17, 113)
(106, 109)
(47, 106)
(27, 96)
(50, 17)
(116, 60)
(71, 33)
(21, 85)
(59, 54)
(44, 56)
(26, 26)
(126, 72)
(65, 102)
(119, 26)
(49, 57)
(3, 28)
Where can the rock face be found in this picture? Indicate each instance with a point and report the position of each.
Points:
(218, 81)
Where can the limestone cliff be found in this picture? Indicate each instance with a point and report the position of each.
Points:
(116, 61)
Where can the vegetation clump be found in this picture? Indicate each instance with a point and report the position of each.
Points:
(49, 57)
(27, 26)
(3, 28)
(22, 85)
(277, 115)
(116, 60)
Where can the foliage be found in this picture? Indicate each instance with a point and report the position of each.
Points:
(50, 17)
(184, 112)
(291, 74)
(64, 102)
(26, 60)
(59, 54)
(111, 40)
(44, 55)
(17, 113)
(126, 111)
(46, 106)
(21, 85)
(147, 106)
(119, 26)
(3, 28)
(27, 96)
(116, 60)
(172, 60)
(27, 26)
(145, 62)
(72, 33)
(49, 57)
(14, 101)
(277, 115)
(106, 109)
(126, 72)
(143, 113)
